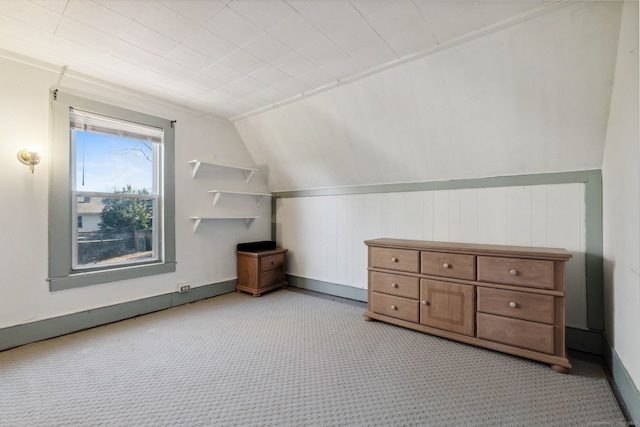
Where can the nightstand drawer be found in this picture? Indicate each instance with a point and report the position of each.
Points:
(520, 333)
(396, 259)
(271, 262)
(400, 308)
(515, 271)
(395, 284)
(270, 277)
(521, 305)
(457, 266)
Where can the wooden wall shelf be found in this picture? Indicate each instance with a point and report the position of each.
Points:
(259, 196)
(248, 172)
(198, 219)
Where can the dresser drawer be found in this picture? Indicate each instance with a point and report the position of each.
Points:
(398, 307)
(520, 333)
(515, 271)
(395, 259)
(449, 265)
(521, 305)
(272, 262)
(394, 284)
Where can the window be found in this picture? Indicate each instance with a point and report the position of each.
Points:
(116, 164)
(111, 171)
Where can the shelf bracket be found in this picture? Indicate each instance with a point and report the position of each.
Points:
(216, 197)
(196, 166)
(247, 175)
(196, 223)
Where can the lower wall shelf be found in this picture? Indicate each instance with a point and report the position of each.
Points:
(197, 219)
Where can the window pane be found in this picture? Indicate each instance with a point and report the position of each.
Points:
(110, 164)
(116, 230)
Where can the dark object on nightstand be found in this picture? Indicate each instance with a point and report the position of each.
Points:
(265, 245)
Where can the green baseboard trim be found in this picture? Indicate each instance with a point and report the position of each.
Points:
(328, 288)
(582, 340)
(626, 388)
(18, 335)
(203, 292)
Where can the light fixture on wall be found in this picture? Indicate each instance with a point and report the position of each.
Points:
(30, 158)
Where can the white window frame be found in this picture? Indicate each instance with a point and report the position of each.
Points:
(62, 274)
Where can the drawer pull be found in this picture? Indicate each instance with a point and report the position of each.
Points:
(445, 265)
(394, 285)
(393, 307)
(394, 259)
(425, 302)
(512, 304)
(513, 272)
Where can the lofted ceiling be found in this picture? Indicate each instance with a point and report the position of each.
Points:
(233, 58)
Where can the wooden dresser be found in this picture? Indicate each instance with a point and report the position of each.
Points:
(261, 271)
(505, 298)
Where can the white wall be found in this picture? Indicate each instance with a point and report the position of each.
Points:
(621, 212)
(529, 98)
(204, 257)
(325, 234)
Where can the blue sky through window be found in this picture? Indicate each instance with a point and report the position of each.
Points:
(105, 163)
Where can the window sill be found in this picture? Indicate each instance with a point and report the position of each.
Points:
(78, 280)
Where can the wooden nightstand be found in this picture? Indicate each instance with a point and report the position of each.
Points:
(261, 271)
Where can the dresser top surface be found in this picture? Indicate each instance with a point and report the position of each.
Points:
(473, 248)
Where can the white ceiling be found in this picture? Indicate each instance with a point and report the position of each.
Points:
(235, 57)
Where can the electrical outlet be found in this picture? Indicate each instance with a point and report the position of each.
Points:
(184, 287)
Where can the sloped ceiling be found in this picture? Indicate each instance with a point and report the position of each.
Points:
(528, 97)
(234, 57)
(330, 93)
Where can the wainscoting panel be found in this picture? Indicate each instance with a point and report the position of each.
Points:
(325, 233)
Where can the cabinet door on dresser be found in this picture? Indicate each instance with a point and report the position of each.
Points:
(448, 306)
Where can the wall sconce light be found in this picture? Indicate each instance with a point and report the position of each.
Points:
(30, 158)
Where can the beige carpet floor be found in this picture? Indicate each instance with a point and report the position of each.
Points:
(286, 359)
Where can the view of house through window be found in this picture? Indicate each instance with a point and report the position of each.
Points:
(116, 191)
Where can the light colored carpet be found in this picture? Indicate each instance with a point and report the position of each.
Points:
(286, 359)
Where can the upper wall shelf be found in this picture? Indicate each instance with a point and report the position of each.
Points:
(248, 172)
(259, 196)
